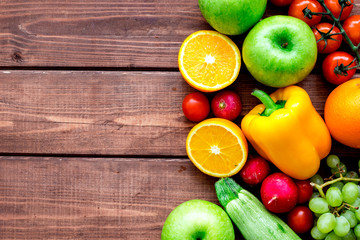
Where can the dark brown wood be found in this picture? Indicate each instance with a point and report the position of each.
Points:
(96, 33)
(109, 113)
(87, 198)
(101, 33)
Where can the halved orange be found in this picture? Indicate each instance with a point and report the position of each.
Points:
(217, 147)
(209, 61)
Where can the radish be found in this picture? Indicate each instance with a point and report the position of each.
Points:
(279, 193)
(255, 171)
(226, 104)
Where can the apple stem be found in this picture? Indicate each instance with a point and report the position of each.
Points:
(284, 45)
(270, 105)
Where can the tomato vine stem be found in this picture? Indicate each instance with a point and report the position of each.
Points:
(343, 4)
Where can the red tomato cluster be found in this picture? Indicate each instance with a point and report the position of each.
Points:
(338, 66)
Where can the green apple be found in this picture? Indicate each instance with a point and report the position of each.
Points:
(232, 17)
(280, 51)
(198, 220)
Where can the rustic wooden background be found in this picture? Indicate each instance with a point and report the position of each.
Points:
(92, 136)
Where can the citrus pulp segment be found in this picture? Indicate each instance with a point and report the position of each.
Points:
(217, 147)
(209, 61)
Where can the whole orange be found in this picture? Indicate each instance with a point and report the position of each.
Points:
(342, 113)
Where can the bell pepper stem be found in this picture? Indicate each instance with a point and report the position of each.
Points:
(270, 105)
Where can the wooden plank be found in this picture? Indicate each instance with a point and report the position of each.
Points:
(92, 112)
(101, 33)
(109, 113)
(101, 198)
(84, 198)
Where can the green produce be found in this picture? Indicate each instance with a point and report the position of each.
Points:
(350, 192)
(350, 236)
(338, 185)
(232, 17)
(280, 51)
(319, 205)
(332, 236)
(316, 234)
(326, 222)
(332, 161)
(250, 215)
(198, 220)
(337, 206)
(357, 230)
(342, 226)
(334, 197)
(350, 216)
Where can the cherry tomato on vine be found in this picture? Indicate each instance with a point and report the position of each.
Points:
(300, 8)
(328, 43)
(196, 106)
(300, 219)
(352, 28)
(335, 67)
(281, 3)
(335, 7)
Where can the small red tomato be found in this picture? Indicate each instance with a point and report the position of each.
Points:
(255, 171)
(329, 43)
(299, 8)
(335, 8)
(196, 106)
(226, 104)
(281, 3)
(352, 28)
(300, 219)
(334, 67)
(305, 190)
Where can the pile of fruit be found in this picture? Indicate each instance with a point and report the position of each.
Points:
(288, 196)
(336, 202)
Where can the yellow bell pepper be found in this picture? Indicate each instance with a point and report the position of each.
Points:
(287, 130)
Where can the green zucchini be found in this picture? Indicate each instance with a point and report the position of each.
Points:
(254, 221)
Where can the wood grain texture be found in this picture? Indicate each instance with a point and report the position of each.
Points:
(95, 33)
(98, 198)
(86, 198)
(103, 33)
(108, 113)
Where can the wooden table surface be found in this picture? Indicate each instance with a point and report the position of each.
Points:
(92, 135)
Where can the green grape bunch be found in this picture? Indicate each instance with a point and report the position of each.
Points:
(336, 203)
